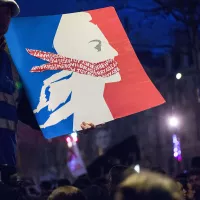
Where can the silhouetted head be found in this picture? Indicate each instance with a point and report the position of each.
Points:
(95, 192)
(194, 178)
(8, 9)
(67, 193)
(46, 185)
(182, 178)
(148, 186)
(82, 182)
(116, 175)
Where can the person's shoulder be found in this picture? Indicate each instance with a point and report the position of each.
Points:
(2, 43)
(4, 46)
(13, 67)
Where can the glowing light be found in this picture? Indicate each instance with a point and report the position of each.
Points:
(178, 76)
(69, 144)
(74, 134)
(18, 85)
(173, 122)
(179, 158)
(175, 154)
(137, 168)
(177, 148)
(68, 139)
(74, 137)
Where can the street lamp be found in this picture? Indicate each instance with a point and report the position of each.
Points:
(178, 76)
(137, 168)
(173, 122)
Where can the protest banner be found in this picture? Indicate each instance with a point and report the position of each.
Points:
(79, 67)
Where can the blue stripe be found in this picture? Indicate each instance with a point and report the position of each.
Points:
(8, 111)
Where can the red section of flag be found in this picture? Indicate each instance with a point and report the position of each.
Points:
(135, 92)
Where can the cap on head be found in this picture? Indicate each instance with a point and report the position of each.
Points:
(15, 10)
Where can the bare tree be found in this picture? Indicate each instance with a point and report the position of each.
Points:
(186, 12)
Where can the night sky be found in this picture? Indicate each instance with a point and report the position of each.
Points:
(146, 31)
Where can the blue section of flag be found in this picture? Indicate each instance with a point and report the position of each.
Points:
(36, 33)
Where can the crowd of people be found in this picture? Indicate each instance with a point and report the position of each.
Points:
(121, 183)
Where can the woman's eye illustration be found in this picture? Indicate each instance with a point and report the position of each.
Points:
(98, 46)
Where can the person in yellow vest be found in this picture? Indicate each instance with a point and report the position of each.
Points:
(11, 109)
(8, 90)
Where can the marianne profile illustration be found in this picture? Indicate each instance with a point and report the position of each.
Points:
(77, 68)
(86, 62)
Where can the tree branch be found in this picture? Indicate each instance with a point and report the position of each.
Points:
(170, 9)
(153, 46)
(161, 47)
(178, 18)
(151, 10)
